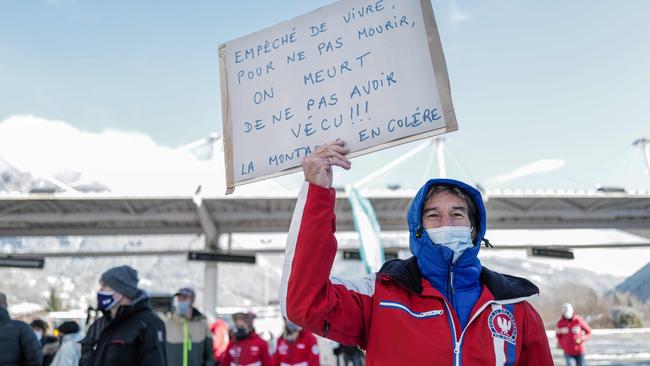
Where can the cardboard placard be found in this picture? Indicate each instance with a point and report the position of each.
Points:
(370, 72)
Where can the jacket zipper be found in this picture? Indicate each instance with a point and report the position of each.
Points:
(453, 332)
(458, 342)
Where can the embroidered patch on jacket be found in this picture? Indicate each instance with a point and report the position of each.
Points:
(419, 315)
(502, 325)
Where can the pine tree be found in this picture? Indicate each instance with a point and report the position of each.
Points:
(54, 301)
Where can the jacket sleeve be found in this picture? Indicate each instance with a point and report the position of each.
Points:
(535, 349)
(225, 356)
(266, 357)
(31, 347)
(313, 352)
(585, 327)
(208, 352)
(332, 308)
(154, 343)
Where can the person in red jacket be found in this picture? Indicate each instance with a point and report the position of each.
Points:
(247, 349)
(572, 332)
(439, 307)
(296, 347)
(220, 339)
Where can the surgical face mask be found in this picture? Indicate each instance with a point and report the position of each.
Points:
(105, 300)
(456, 238)
(183, 308)
(39, 335)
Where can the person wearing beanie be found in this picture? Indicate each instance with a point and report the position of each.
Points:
(129, 333)
(189, 340)
(70, 350)
(246, 347)
(18, 343)
(439, 307)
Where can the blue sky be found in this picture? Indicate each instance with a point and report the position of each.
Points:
(530, 80)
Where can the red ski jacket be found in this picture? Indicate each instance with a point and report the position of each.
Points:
(251, 351)
(395, 314)
(301, 352)
(572, 334)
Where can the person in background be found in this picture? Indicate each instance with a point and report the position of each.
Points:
(18, 343)
(296, 347)
(246, 347)
(129, 333)
(189, 341)
(351, 355)
(49, 343)
(572, 332)
(220, 339)
(70, 350)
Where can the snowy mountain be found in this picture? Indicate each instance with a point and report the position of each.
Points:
(638, 284)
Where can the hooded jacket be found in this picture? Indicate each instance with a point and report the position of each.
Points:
(250, 351)
(136, 337)
(198, 336)
(572, 334)
(18, 343)
(397, 315)
(302, 351)
(70, 350)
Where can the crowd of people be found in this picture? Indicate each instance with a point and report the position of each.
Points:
(131, 332)
(434, 307)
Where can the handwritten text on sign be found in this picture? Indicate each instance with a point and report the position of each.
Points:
(369, 72)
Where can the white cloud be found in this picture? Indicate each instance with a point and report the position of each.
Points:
(128, 163)
(457, 15)
(536, 167)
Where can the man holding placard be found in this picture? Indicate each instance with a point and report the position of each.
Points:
(440, 306)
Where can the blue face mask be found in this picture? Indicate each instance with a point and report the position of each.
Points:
(456, 238)
(105, 300)
(183, 308)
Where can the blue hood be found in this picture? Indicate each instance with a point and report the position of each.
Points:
(414, 216)
(436, 262)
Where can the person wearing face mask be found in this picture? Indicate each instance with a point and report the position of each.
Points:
(129, 333)
(572, 332)
(49, 343)
(439, 307)
(18, 343)
(296, 347)
(246, 348)
(189, 340)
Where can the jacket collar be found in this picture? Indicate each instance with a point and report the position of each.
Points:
(502, 287)
(4, 314)
(140, 303)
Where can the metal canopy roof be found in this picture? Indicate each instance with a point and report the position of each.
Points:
(59, 216)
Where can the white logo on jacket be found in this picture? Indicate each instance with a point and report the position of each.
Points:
(502, 325)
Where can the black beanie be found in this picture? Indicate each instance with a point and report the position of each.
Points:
(122, 279)
(68, 327)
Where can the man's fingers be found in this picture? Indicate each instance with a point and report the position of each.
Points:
(345, 164)
(338, 155)
(340, 149)
(337, 145)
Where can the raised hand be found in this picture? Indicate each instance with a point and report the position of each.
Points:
(317, 167)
